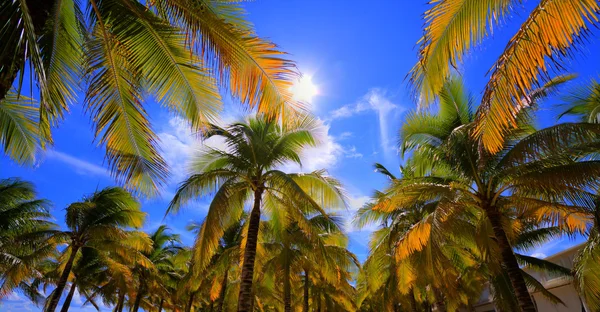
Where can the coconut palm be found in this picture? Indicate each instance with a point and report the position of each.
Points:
(165, 246)
(247, 170)
(534, 174)
(180, 51)
(291, 252)
(551, 32)
(26, 237)
(583, 102)
(99, 222)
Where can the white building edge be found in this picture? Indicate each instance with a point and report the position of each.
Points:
(562, 287)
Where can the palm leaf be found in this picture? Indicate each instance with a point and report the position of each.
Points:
(19, 133)
(250, 66)
(552, 29)
(121, 121)
(452, 27)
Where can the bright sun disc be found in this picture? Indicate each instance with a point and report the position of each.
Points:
(304, 90)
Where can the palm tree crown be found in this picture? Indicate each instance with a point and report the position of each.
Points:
(246, 168)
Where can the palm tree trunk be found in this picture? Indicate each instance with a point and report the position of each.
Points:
(413, 301)
(245, 298)
(287, 289)
(188, 306)
(62, 282)
(120, 302)
(160, 305)
(306, 290)
(221, 302)
(509, 262)
(11, 62)
(318, 302)
(138, 298)
(67, 302)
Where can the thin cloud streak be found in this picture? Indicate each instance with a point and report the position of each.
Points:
(79, 165)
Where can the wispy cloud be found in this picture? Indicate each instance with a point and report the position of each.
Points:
(345, 135)
(377, 101)
(351, 152)
(355, 203)
(78, 165)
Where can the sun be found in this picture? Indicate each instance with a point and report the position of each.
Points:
(304, 90)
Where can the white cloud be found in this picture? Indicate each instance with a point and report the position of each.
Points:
(352, 153)
(178, 144)
(345, 135)
(323, 156)
(80, 166)
(376, 100)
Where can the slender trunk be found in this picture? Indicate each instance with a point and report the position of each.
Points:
(510, 264)
(318, 302)
(188, 306)
(12, 60)
(221, 302)
(120, 302)
(306, 289)
(62, 282)
(67, 302)
(138, 297)
(287, 288)
(160, 305)
(212, 304)
(245, 298)
(413, 301)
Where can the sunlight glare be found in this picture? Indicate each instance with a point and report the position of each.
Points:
(304, 90)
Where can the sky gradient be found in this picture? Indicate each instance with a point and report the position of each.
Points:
(358, 54)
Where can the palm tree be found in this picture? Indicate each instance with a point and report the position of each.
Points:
(99, 222)
(583, 102)
(248, 169)
(150, 279)
(180, 51)
(26, 237)
(551, 32)
(533, 174)
(292, 251)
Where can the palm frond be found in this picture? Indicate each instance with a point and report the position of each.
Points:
(452, 28)
(552, 30)
(19, 133)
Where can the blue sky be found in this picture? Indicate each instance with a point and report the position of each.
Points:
(357, 53)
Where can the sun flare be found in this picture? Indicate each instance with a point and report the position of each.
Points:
(304, 90)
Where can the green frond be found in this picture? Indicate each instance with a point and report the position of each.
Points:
(121, 123)
(19, 133)
(62, 53)
(225, 210)
(583, 101)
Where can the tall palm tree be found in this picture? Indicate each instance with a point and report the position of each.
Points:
(246, 170)
(180, 51)
(99, 222)
(551, 32)
(26, 237)
(531, 175)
